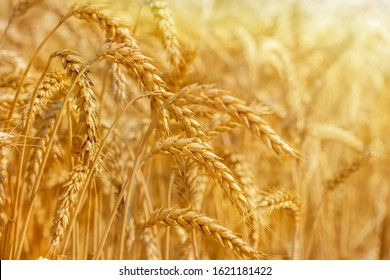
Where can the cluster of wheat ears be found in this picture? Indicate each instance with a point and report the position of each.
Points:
(194, 130)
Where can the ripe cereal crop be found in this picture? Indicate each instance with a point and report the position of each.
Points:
(198, 129)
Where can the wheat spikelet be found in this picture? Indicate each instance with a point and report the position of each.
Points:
(180, 183)
(243, 114)
(145, 72)
(163, 16)
(190, 220)
(277, 198)
(136, 62)
(119, 32)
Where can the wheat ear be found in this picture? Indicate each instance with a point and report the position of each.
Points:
(66, 203)
(277, 198)
(85, 142)
(328, 131)
(190, 220)
(346, 171)
(191, 148)
(115, 28)
(166, 26)
(52, 83)
(189, 182)
(220, 99)
(148, 76)
(86, 139)
(45, 127)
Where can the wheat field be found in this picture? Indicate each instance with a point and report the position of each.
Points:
(197, 129)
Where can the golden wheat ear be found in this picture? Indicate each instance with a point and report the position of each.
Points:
(191, 148)
(167, 29)
(220, 99)
(277, 198)
(346, 171)
(209, 227)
